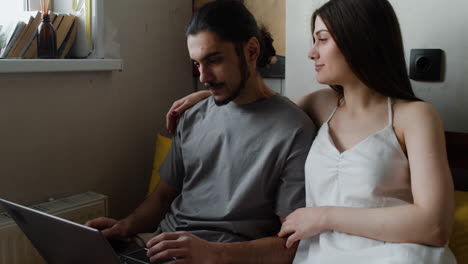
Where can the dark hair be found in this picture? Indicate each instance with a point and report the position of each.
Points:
(232, 22)
(368, 35)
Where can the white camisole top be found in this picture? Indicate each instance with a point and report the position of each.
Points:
(373, 173)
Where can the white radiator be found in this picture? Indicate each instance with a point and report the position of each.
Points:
(15, 247)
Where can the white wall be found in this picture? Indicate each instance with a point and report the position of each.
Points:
(66, 133)
(424, 24)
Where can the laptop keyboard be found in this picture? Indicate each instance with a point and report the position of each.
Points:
(125, 260)
(135, 257)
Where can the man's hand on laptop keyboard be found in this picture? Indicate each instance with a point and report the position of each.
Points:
(181, 246)
(110, 228)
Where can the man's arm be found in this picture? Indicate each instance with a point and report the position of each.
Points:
(144, 219)
(264, 250)
(191, 249)
(148, 214)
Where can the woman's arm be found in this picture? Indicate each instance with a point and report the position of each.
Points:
(186, 246)
(427, 221)
(317, 105)
(179, 106)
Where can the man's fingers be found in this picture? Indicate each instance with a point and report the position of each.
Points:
(164, 245)
(108, 233)
(177, 253)
(179, 261)
(170, 245)
(101, 223)
(161, 237)
(93, 222)
(114, 231)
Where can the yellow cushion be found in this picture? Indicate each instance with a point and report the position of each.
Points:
(163, 144)
(459, 240)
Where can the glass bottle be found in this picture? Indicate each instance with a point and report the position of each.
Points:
(46, 39)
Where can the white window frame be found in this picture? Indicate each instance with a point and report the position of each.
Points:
(26, 5)
(33, 4)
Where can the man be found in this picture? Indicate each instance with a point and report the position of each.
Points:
(236, 165)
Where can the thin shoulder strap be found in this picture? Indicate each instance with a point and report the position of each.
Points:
(390, 112)
(334, 110)
(331, 115)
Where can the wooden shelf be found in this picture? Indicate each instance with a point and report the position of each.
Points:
(59, 65)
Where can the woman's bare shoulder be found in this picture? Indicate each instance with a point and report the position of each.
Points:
(319, 104)
(413, 119)
(413, 116)
(407, 110)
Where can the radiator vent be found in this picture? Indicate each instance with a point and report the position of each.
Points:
(15, 247)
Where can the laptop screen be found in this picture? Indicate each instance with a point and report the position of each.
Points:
(59, 240)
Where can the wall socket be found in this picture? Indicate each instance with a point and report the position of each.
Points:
(425, 64)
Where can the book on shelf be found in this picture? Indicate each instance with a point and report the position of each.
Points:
(31, 52)
(11, 35)
(52, 17)
(57, 21)
(25, 39)
(14, 42)
(68, 41)
(6, 31)
(64, 28)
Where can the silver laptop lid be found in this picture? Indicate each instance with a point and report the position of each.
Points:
(61, 241)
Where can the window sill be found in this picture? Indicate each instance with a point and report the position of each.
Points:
(59, 65)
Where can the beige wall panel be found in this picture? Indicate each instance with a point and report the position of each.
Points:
(67, 133)
(271, 13)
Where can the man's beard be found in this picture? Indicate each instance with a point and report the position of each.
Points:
(244, 75)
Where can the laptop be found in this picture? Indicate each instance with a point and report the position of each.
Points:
(61, 241)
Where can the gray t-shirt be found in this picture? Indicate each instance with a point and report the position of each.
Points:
(238, 167)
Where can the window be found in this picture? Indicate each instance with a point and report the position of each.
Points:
(11, 10)
(92, 25)
(86, 16)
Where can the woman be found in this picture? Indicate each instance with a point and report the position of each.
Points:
(378, 186)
